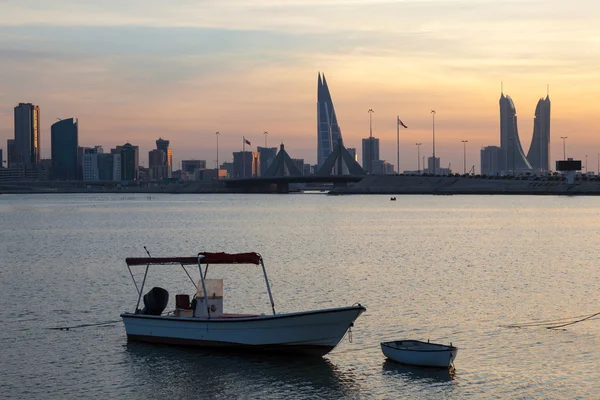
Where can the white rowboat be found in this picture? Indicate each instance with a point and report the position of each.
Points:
(415, 352)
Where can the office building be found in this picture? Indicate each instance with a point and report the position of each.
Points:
(27, 134)
(246, 164)
(267, 155)
(130, 164)
(431, 167)
(513, 157)
(163, 145)
(370, 153)
(490, 160)
(64, 142)
(11, 153)
(328, 130)
(2, 163)
(539, 151)
(191, 166)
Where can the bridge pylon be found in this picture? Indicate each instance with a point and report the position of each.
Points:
(338, 157)
(282, 165)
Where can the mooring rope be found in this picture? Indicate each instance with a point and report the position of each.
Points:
(66, 328)
(554, 323)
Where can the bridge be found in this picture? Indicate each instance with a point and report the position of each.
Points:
(282, 172)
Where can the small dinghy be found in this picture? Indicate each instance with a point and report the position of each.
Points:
(415, 352)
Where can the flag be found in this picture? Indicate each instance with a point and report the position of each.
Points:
(401, 123)
(247, 142)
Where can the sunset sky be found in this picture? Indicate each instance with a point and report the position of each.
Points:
(137, 70)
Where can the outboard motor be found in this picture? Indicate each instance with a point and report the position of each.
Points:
(155, 301)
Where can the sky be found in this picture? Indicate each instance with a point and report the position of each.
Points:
(136, 70)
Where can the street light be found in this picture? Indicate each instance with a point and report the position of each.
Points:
(419, 157)
(370, 166)
(266, 134)
(433, 126)
(217, 134)
(464, 142)
(564, 138)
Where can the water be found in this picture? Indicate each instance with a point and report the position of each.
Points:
(446, 268)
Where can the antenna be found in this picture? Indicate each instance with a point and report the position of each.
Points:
(547, 90)
(501, 87)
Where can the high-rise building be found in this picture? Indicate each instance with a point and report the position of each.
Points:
(433, 168)
(163, 145)
(352, 152)
(267, 155)
(539, 151)
(328, 130)
(190, 166)
(1, 159)
(64, 142)
(513, 157)
(130, 164)
(370, 153)
(11, 153)
(90, 164)
(246, 164)
(109, 167)
(490, 160)
(27, 134)
(299, 163)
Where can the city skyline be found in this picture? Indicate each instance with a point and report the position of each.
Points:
(180, 71)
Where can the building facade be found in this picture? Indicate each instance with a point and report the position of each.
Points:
(490, 160)
(246, 164)
(130, 165)
(11, 160)
(64, 142)
(539, 151)
(267, 155)
(513, 156)
(328, 130)
(27, 134)
(370, 153)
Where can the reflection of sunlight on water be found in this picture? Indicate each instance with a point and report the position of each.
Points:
(227, 374)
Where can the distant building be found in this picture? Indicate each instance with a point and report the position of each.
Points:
(539, 151)
(158, 168)
(64, 142)
(228, 166)
(1, 159)
(90, 164)
(352, 152)
(328, 130)
(267, 155)
(513, 157)
(378, 167)
(109, 167)
(490, 160)
(129, 161)
(190, 166)
(11, 160)
(246, 164)
(370, 153)
(307, 170)
(431, 168)
(27, 134)
(163, 145)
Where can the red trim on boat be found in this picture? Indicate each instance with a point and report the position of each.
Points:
(209, 258)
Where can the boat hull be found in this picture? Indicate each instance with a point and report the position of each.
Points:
(311, 332)
(420, 353)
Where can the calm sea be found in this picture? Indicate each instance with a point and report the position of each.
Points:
(445, 268)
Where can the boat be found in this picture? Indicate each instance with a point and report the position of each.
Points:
(203, 322)
(416, 352)
(392, 199)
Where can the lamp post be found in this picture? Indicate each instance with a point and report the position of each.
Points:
(419, 158)
(266, 134)
(217, 134)
(464, 142)
(370, 166)
(564, 139)
(433, 128)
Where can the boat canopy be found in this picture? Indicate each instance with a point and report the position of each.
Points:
(209, 258)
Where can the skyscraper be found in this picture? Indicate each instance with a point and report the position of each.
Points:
(64, 142)
(130, 161)
(11, 153)
(328, 130)
(370, 153)
(27, 134)
(539, 151)
(163, 145)
(513, 156)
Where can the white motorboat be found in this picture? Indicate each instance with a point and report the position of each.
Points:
(202, 321)
(415, 352)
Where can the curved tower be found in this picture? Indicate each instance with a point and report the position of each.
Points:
(513, 157)
(539, 151)
(328, 130)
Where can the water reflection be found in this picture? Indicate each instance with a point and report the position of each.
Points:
(178, 372)
(415, 373)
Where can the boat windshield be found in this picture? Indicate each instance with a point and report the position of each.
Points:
(207, 258)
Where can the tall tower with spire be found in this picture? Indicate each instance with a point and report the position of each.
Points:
(539, 151)
(512, 157)
(328, 130)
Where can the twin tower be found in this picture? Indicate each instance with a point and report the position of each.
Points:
(512, 157)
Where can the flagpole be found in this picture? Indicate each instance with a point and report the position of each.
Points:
(398, 140)
(244, 156)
